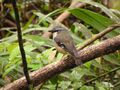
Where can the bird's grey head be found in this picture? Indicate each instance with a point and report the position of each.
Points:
(57, 29)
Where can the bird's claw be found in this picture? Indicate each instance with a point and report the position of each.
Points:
(78, 62)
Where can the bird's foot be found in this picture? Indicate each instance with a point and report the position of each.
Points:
(78, 62)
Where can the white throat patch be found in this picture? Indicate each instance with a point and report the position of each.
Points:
(54, 34)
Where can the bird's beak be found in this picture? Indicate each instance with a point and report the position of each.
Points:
(50, 31)
(53, 30)
(56, 29)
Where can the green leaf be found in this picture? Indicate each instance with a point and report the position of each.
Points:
(54, 80)
(28, 47)
(2, 82)
(35, 66)
(76, 76)
(29, 22)
(113, 59)
(65, 84)
(87, 88)
(85, 71)
(59, 56)
(46, 17)
(97, 64)
(9, 70)
(101, 88)
(96, 20)
(76, 85)
(103, 85)
(86, 32)
(39, 40)
(14, 53)
(104, 9)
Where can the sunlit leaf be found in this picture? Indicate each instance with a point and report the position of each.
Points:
(104, 9)
(96, 20)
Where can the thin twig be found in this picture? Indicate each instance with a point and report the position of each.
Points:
(102, 75)
(101, 34)
(117, 84)
(40, 86)
(19, 34)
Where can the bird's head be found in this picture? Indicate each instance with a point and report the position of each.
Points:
(57, 29)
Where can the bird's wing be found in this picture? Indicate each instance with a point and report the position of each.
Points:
(70, 47)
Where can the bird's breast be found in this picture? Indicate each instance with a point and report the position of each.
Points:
(54, 35)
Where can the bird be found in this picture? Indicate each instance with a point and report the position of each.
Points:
(64, 42)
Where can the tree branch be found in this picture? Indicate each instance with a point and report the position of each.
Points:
(64, 15)
(106, 47)
(99, 35)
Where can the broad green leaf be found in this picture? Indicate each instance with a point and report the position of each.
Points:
(96, 20)
(104, 9)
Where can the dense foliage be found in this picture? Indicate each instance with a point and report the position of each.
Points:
(84, 23)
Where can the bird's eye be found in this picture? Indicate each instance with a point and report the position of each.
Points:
(62, 45)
